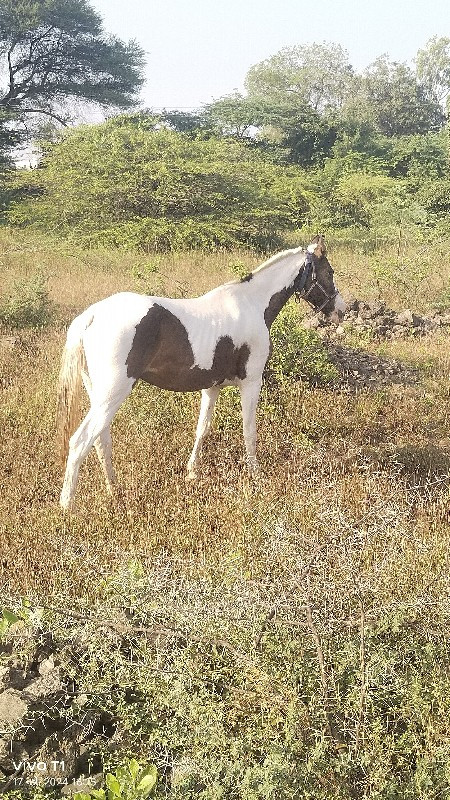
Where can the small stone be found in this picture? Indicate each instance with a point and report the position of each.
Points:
(12, 707)
(44, 686)
(340, 330)
(404, 317)
(46, 666)
(377, 307)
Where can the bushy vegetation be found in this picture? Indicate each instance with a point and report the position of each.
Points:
(27, 305)
(297, 353)
(121, 184)
(129, 183)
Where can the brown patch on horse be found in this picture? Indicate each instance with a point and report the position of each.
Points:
(276, 303)
(161, 354)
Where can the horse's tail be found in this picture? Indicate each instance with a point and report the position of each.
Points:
(68, 412)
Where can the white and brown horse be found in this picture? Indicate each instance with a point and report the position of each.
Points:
(219, 339)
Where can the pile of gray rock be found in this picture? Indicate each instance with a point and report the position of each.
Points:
(359, 368)
(379, 321)
(373, 320)
(47, 729)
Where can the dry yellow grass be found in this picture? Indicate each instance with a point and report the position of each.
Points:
(321, 449)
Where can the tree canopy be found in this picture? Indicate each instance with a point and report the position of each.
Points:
(317, 75)
(433, 66)
(53, 52)
(393, 98)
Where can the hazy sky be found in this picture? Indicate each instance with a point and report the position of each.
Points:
(199, 50)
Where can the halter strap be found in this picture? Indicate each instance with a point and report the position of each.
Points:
(309, 267)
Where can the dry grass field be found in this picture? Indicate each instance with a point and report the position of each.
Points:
(314, 600)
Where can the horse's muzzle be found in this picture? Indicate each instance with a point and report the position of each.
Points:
(340, 307)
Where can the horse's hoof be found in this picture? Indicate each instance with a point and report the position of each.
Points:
(191, 476)
(66, 506)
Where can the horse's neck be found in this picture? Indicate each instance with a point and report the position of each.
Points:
(273, 284)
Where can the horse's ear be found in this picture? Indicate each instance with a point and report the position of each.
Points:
(320, 250)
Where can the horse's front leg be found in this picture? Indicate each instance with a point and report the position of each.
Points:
(209, 397)
(249, 400)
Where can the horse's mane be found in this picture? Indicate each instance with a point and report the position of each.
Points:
(269, 263)
(274, 259)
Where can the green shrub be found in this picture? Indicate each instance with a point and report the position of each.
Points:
(28, 305)
(298, 353)
(130, 782)
(443, 301)
(118, 185)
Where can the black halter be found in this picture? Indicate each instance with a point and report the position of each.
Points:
(309, 268)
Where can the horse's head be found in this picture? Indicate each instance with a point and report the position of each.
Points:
(315, 282)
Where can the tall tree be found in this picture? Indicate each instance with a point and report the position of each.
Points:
(53, 52)
(235, 115)
(317, 75)
(433, 66)
(397, 103)
(293, 133)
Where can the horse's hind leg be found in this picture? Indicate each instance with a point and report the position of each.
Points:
(103, 447)
(79, 446)
(93, 426)
(209, 397)
(103, 444)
